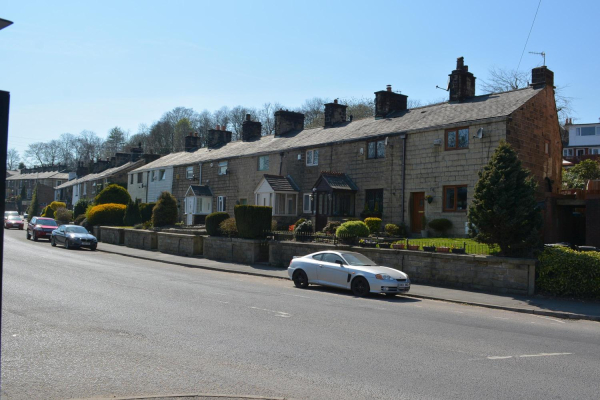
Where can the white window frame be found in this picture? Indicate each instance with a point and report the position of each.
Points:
(162, 174)
(221, 203)
(578, 131)
(84, 189)
(286, 211)
(577, 152)
(313, 153)
(265, 163)
(595, 151)
(189, 172)
(153, 175)
(58, 183)
(307, 201)
(222, 168)
(568, 153)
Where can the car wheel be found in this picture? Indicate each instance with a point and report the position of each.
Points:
(300, 279)
(67, 246)
(360, 286)
(53, 242)
(93, 248)
(28, 236)
(35, 238)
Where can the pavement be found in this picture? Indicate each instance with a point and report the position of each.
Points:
(539, 305)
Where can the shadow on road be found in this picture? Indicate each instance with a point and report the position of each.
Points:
(372, 296)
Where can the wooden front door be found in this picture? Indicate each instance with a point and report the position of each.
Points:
(418, 210)
(322, 211)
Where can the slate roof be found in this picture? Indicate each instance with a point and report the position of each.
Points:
(473, 110)
(282, 183)
(101, 175)
(39, 175)
(338, 181)
(201, 190)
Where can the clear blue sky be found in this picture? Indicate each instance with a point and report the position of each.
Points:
(82, 65)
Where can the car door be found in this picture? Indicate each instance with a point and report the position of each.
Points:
(59, 236)
(330, 272)
(31, 224)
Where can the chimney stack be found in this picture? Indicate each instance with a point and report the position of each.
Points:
(541, 76)
(192, 142)
(287, 121)
(462, 82)
(251, 130)
(334, 113)
(218, 137)
(387, 102)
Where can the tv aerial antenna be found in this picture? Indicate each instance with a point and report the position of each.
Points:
(543, 54)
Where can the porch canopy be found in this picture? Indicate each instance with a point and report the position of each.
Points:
(279, 192)
(335, 193)
(198, 200)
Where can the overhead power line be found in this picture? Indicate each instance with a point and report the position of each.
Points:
(530, 29)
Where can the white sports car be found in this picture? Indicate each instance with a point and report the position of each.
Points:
(348, 270)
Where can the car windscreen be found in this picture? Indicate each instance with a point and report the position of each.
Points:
(357, 259)
(76, 229)
(46, 222)
(14, 218)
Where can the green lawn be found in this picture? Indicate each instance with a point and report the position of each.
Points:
(472, 247)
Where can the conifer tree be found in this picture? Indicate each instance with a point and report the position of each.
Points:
(132, 214)
(504, 210)
(165, 211)
(34, 207)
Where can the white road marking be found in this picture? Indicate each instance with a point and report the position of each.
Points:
(499, 357)
(551, 319)
(527, 355)
(277, 313)
(500, 318)
(296, 295)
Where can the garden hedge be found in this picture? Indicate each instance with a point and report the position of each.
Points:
(165, 211)
(106, 214)
(441, 225)
(253, 221)
(132, 214)
(229, 227)
(213, 221)
(566, 272)
(351, 230)
(146, 211)
(374, 224)
(113, 194)
(80, 207)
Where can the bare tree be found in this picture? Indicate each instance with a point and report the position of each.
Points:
(66, 149)
(88, 146)
(313, 110)
(359, 108)
(237, 116)
(266, 116)
(35, 153)
(12, 159)
(222, 117)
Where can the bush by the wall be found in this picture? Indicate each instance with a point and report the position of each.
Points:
(331, 227)
(441, 225)
(301, 220)
(374, 224)
(63, 216)
(80, 207)
(113, 194)
(213, 221)
(566, 272)
(106, 214)
(350, 230)
(253, 221)
(165, 211)
(392, 229)
(228, 227)
(55, 205)
(47, 212)
(132, 214)
(79, 219)
(146, 211)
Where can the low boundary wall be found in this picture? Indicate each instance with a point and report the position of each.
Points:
(140, 239)
(179, 244)
(111, 235)
(243, 251)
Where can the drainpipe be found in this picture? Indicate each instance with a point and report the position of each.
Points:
(403, 137)
(281, 162)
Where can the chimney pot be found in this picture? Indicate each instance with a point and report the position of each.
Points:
(286, 121)
(223, 128)
(247, 117)
(335, 101)
(462, 82)
(218, 128)
(388, 88)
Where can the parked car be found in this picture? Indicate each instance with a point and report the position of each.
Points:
(73, 236)
(40, 227)
(347, 270)
(13, 221)
(9, 213)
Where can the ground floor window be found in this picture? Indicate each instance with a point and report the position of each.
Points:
(455, 198)
(221, 203)
(374, 200)
(243, 202)
(285, 204)
(307, 203)
(343, 204)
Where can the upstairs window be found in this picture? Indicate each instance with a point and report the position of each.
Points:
(222, 168)
(221, 203)
(376, 149)
(140, 177)
(154, 175)
(131, 179)
(189, 172)
(455, 198)
(263, 163)
(587, 131)
(162, 174)
(374, 200)
(457, 139)
(312, 157)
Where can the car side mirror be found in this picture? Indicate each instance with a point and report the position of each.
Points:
(340, 262)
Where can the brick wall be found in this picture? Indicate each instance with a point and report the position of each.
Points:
(532, 126)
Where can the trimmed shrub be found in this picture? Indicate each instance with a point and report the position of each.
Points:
(301, 220)
(213, 221)
(113, 194)
(566, 272)
(79, 219)
(47, 212)
(106, 214)
(132, 214)
(80, 207)
(146, 211)
(63, 215)
(350, 230)
(55, 205)
(253, 221)
(165, 211)
(273, 225)
(331, 227)
(303, 230)
(441, 225)
(392, 229)
(374, 224)
(228, 227)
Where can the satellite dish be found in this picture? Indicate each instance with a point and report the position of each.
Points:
(448, 84)
(479, 133)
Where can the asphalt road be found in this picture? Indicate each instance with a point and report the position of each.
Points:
(82, 324)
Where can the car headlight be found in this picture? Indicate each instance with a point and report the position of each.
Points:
(384, 277)
(37, 228)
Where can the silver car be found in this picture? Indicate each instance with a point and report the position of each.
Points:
(348, 270)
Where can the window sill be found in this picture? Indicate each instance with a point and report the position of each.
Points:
(455, 211)
(455, 149)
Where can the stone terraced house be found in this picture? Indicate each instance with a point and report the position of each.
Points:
(402, 164)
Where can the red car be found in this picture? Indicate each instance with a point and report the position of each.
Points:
(13, 221)
(40, 227)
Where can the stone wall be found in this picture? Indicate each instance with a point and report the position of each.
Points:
(140, 239)
(111, 235)
(97, 232)
(243, 251)
(179, 244)
(487, 273)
